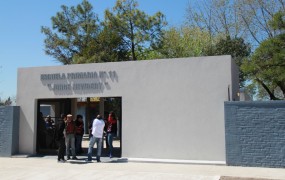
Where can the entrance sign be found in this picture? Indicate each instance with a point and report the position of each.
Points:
(69, 81)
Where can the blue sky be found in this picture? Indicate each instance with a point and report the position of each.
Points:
(22, 43)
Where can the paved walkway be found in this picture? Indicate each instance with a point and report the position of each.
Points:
(47, 168)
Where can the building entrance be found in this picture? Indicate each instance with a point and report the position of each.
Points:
(49, 111)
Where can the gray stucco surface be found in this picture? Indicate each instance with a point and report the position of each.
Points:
(255, 133)
(171, 108)
(9, 130)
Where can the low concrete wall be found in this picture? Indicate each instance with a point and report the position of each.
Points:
(255, 133)
(9, 130)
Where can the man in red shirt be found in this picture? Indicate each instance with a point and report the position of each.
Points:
(70, 137)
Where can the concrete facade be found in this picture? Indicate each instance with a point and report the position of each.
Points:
(171, 109)
(255, 133)
(9, 130)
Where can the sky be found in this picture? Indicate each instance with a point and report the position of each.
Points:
(21, 40)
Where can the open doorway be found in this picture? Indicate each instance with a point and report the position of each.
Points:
(48, 112)
(114, 104)
(89, 108)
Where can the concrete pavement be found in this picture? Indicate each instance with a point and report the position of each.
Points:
(46, 167)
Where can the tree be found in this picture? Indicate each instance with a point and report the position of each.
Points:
(266, 66)
(182, 42)
(7, 102)
(74, 35)
(214, 16)
(242, 18)
(278, 21)
(256, 16)
(236, 47)
(246, 19)
(76, 29)
(137, 29)
(109, 48)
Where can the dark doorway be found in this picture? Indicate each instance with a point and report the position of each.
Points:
(49, 110)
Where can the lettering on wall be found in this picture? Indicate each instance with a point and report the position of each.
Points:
(79, 82)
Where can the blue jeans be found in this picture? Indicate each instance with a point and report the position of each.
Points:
(98, 141)
(110, 137)
(78, 142)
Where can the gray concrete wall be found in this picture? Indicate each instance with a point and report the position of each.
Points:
(255, 133)
(9, 130)
(171, 108)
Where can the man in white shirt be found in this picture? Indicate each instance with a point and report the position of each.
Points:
(97, 135)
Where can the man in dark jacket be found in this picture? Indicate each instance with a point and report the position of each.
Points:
(79, 134)
(60, 126)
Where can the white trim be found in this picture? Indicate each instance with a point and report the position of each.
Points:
(178, 161)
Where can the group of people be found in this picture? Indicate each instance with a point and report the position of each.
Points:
(70, 133)
(99, 127)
